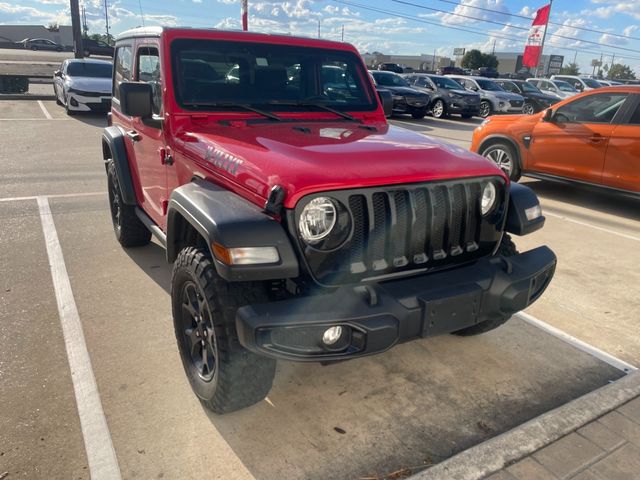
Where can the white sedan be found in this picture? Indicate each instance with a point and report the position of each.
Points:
(83, 85)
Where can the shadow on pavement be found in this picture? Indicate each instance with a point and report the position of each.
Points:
(93, 119)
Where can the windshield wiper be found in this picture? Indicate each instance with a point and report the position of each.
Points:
(322, 106)
(244, 106)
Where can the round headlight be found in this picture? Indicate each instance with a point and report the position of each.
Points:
(489, 197)
(317, 219)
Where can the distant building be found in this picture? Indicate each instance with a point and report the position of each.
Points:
(511, 62)
(62, 35)
(417, 62)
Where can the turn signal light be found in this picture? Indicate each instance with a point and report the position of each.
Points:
(246, 255)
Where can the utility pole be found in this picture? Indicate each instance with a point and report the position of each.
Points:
(342, 36)
(244, 11)
(106, 21)
(318, 28)
(493, 50)
(433, 61)
(76, 27)
(544, 36)
(85, 28)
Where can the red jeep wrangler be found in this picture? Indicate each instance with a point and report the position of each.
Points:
(300, 224)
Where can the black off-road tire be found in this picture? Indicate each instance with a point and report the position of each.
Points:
(507, 249)
(237, 378)
(129, 230)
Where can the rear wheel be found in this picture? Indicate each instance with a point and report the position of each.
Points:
(420, 114)
(485, 108)
(504, 156)
(507, 249)
(129, 230)
(223, 374)
(438, 109)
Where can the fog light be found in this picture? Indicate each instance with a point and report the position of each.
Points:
(331, 335)
(533, 212)
(74, 102)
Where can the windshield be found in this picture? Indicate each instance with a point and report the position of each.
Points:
(489, 85)
(390, 80)
(213, 74)
(564, 86)
(448, 83)
(527, 87)
(591, 83)
(95, 70)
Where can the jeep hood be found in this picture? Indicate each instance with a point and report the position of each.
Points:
(308, 157)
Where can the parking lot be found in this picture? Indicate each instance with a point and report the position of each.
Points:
(411, 407)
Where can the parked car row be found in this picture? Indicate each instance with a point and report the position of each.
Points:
(89, 46)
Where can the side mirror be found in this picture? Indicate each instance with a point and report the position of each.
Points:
(547, 116)
(136, 99)
(57, 73)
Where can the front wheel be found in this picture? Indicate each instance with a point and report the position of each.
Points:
(223, 374)
(528, 109)
(485, 108)
(504, 156)
(507, 249)
(438, 110)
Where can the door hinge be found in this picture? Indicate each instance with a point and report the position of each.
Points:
(165, 156)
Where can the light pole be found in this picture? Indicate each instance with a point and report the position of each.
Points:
(76, 28)
(244, 11)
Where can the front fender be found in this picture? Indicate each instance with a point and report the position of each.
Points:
(223, 217)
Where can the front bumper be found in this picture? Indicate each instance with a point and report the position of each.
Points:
(376, 317)
(464, 108)
(84, 103)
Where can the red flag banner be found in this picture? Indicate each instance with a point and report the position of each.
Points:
(533, 47)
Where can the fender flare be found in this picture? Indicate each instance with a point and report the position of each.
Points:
(220, 216)
(113, 148)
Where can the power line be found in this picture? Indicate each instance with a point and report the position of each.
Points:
(468, 30)
(484, 9)
(512, 26)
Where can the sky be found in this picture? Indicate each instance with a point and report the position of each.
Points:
(408, 27)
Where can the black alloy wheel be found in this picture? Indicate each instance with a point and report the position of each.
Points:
(198, 333)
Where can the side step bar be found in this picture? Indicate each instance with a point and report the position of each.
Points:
(155, 229)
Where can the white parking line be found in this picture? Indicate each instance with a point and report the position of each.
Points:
(103, 463)
(579, 344)
(595, 227)
(58, 195)
(44, 110)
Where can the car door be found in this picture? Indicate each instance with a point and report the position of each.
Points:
(573, 144)
(150, 152)
(622, 160)
(58, 80)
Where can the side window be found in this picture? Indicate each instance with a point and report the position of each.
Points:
(545, 86)
(635, 118)
(148, 68)
(509, 87)
(597, 108)
(123, 63)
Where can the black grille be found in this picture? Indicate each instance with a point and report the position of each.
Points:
(408, 227)
(515, 103)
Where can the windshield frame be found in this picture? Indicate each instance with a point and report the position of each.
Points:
(456, 85)
(360, 75)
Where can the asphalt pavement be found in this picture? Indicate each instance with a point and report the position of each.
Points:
(416, 405)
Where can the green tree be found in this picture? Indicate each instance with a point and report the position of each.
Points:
(489, 60)
(472, 59)
(619, 71)
(571, 69)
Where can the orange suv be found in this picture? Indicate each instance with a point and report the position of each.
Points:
(591, 138)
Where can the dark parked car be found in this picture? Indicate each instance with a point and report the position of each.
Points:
(450, 71)
(41, 44)
(486, 72)
(447, 95)
(390, 67)
(96, 47)
(534, 100)
(386, 97)
(405, 98)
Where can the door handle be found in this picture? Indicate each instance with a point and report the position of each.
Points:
(596, 138)
(134, 136)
